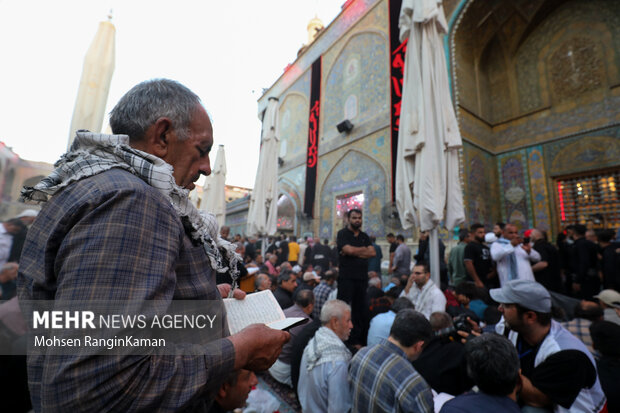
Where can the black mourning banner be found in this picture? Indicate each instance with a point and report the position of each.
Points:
(397, 65)
(312, 155)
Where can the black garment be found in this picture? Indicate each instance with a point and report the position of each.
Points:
(374, 292)
(351, 266)
(353, 292)
(335, 257)
(442, 364)
(424, 255)
(283, 297)
(226, 278)
(584, 264)
(609, 375)
(283, 254)
(480, 255)
(271, 248)
(298, 345)
(353, 281)
(377, 306)
(550, 276)
(610, 266)
(320, 255)
(422, 250)
(18, 245)
(250, 250)
(308, 254)
(561, 376)
(303, 286)
(393, 246)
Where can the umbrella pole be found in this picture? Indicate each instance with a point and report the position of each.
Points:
(433, 244)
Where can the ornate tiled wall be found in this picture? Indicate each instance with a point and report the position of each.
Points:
(480, 186)
(594, 150)
(515, 189)
(331, 35)
(356, 74)
(590, 33)
(360, 166)
(538, 185)
(293, 118)
(356, 87)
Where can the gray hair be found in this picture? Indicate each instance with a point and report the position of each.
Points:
(259, 280)
(148, 101)
(375, 281)
(333, 308)
(440, 320)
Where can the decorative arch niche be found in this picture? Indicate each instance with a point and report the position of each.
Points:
(355, 172)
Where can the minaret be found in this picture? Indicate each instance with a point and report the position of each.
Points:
(314, 27)
(95, 82)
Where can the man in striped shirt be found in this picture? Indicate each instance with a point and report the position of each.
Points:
(382, 377)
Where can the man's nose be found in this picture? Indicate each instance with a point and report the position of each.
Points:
(205, 167)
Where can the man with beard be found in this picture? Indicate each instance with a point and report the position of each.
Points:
(478, 263)
(557, 370)
(355, 248)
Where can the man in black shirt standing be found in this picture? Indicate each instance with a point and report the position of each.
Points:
(478, 263)
(586, 282)
(354, 248)
(547, 270)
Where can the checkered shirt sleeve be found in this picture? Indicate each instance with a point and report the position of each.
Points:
(112, 236)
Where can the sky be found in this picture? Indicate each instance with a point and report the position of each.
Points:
(225, 51)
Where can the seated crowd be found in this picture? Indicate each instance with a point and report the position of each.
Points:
(500, 332)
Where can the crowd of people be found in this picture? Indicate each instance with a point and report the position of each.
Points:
(515, 316)
(513, 323)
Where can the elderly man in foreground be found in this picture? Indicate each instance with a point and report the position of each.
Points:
(118, 225)
(323, 385)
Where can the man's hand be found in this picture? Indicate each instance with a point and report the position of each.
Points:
(410, 282)
(530, 395)
(257, 346)
(362, 252)
(527, 248)
(224, 290)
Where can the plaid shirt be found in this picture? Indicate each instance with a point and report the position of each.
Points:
(112, 236)
(383, 380)
(580, 328)
(321, 294)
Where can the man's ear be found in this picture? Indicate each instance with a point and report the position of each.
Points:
(157, 138)
(222, 391)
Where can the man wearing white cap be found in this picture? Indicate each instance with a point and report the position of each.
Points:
(557, 368)
(610, 301)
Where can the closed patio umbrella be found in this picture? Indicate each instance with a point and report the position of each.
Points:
(428, 189)
(263, 211)
(214, 189)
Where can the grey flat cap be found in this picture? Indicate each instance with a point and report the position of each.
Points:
(526, 293)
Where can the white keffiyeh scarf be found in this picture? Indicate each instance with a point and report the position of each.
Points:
(93, 153)
(326, 347)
